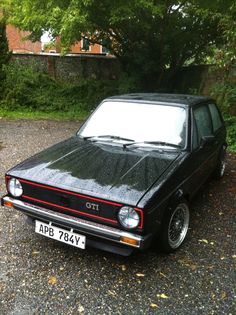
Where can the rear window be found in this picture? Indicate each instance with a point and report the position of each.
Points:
(216, 119)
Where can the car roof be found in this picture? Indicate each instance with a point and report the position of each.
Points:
(175, 99)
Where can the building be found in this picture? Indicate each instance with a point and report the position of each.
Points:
(81, 47)
(16, 41)
(17, 44)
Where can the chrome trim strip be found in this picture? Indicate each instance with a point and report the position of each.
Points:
(92, 228)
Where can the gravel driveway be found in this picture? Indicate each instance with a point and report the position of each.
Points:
(42, 276)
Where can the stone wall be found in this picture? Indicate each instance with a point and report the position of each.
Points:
(197, 79)
(72, 68)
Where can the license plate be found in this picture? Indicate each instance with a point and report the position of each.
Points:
(61, 235)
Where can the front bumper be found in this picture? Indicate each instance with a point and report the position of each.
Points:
(97, 230)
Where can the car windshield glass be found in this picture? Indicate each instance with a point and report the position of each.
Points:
(140, 122)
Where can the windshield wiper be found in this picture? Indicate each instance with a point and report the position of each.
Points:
(132, 142)
(107, 136)
(162, 143)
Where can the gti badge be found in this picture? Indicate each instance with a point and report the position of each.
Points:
(92, 206)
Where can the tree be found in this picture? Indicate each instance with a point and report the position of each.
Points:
(148, 36)
(4, 52)
(225, 59)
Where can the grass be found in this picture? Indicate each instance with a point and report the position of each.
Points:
(59, 115)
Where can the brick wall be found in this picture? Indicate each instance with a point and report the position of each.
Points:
(94, 49)
(16, 42)
(76, 48)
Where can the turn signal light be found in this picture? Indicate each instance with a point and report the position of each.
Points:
(129, 241)
(7, 204)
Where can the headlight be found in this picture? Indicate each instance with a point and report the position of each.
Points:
(15, 188)
(128, 217)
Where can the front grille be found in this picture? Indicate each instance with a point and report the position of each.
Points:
(69, 202)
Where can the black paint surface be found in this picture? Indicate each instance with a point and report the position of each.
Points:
(97, 169)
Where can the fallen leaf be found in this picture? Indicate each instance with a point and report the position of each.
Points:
(223, 295)
(153, 305)
(162, 296)
(52, 280)
(80, 309)
(162, 274)
(193, 267)
(111, 292)
(188, 263)
(123, 267)
(234, 256)
(2, 287)
(140, 275)
(203, 241)
(35, 252)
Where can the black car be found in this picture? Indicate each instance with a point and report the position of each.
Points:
(127, 177)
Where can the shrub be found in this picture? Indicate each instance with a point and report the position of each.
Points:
(25, 87)
(225, 94)
(231, 133)
(4, 52)
(28, 88)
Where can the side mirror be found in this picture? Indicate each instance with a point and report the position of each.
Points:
(206, 140)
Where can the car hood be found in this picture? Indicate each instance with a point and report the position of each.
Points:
(98, 169)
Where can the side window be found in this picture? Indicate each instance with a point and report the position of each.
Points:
(203, 122)
(216, 119)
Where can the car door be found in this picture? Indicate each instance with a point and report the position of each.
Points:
(203, 153)
(218, 125)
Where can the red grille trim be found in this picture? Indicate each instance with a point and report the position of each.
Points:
(71, 193)
(69, 209)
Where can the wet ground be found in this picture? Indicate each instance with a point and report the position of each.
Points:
(42, 276)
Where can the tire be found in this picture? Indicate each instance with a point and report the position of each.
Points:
(219, 171)
(174, 227)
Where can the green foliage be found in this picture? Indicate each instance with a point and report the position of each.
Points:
(225, 60)
(148, 36)
(227, 54)
(4, 52)
(231, 133)
(225, 95)
(26, 88)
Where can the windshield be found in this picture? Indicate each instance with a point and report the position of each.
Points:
(138, 122)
